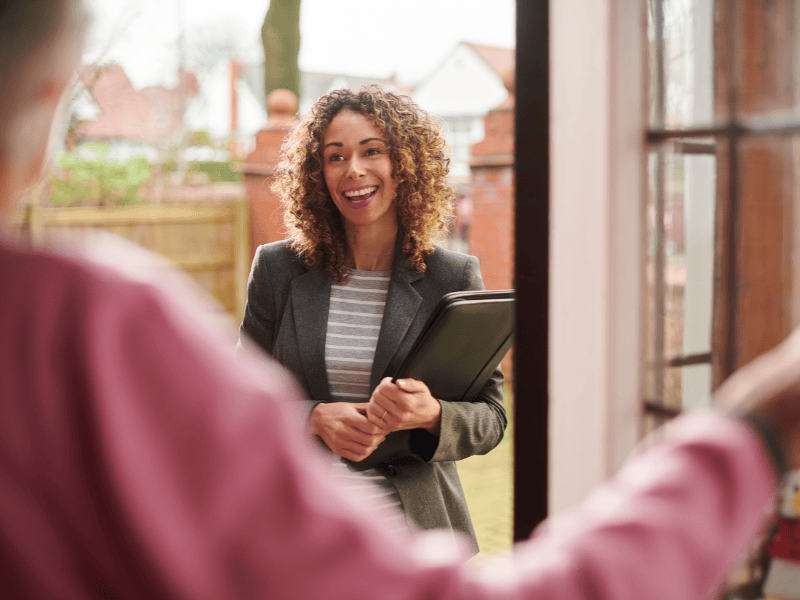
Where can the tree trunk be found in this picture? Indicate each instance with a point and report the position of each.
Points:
(280, 35)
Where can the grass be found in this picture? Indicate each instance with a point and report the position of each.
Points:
(487, 482)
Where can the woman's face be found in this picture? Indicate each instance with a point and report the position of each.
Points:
(358, 173)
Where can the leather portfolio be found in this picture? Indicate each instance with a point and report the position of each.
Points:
(459, 348)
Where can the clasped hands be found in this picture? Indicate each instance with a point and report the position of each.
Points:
(354, 430)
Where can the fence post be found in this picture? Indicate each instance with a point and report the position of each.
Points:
(35, 220)
(241, 253)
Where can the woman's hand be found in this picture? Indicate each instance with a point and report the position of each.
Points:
(345, 429)
(407, 404)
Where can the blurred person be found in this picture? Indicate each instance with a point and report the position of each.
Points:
(140, 459)
(363, 182)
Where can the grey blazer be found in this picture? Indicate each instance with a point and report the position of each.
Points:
(286, 315)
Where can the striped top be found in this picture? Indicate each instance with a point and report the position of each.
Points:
(354, 322)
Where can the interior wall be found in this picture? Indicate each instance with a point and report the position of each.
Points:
(597, 241)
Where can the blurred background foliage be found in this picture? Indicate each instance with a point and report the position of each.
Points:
(90, 175)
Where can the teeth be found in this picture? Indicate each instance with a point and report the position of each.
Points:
(361, 192)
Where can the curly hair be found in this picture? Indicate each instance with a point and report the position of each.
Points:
(420, 165)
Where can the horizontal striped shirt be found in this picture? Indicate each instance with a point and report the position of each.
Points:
(354, 322)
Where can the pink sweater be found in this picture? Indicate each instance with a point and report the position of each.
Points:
(138, 459)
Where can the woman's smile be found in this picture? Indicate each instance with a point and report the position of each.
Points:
(359, 198)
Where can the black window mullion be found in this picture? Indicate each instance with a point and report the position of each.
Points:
(771, 127)
(689, 360)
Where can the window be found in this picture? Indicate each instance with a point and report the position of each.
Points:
(724, 126)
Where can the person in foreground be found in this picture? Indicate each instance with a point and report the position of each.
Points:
(363, 180)
(140, 459)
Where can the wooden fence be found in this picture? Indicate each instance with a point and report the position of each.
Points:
(210, 242)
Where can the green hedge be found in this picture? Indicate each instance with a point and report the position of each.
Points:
(217, 171)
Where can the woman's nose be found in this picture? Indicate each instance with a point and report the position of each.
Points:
(355, 168)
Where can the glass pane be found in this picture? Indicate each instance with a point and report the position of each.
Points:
(765, 244)
(681, 50)
(681, 214)
(689, 245)
(766, 58)
(688, 388)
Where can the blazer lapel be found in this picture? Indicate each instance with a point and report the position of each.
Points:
(311, 296)
(402, 304)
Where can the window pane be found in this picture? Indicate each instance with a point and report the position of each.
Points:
(766, 58)
(689, 223)
(688, 388)
(765, 303)
(681, 40)
(681, 215)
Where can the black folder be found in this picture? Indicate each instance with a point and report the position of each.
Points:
(462, 343)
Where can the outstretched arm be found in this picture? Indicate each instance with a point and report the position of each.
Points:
(222, 495)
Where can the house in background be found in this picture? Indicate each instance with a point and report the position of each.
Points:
(170, 104)
(313, 85)
(106, 107)
(228, 107)
(228, 102)
(465, 86)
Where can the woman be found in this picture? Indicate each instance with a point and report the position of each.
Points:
(363, 184)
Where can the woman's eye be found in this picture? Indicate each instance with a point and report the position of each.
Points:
(335, 157)
(372, 152)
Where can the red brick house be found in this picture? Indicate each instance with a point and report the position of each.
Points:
(131, 121)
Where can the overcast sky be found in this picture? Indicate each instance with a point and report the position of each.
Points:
(355, 37)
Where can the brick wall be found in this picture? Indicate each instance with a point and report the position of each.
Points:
(491, 231)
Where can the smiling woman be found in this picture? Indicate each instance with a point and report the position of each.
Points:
(358, 175)
(419, 167)
(340, 303)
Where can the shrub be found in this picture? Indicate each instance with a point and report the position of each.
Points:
(94, 177)
(217, 171)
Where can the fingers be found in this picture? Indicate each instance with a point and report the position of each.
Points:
(382, 405)
(406, 404)
(412, 386)
(368, 425)
(355, 451)
(378, 414)
(346, 430)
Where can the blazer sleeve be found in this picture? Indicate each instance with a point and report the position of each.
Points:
(475, 427)
(267, 293)
(259, 321)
